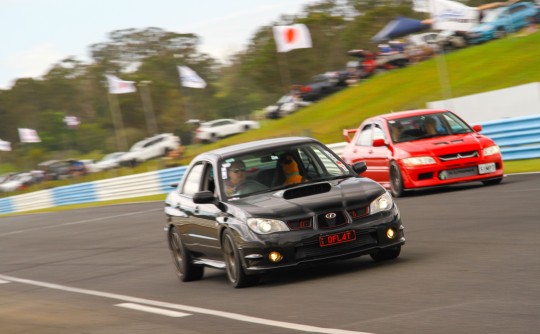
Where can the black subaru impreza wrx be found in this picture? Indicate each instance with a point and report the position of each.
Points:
(276, 203)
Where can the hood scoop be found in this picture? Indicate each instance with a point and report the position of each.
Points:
(457, 141)
(312, 189)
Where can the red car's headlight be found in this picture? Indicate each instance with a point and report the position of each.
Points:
(418, 161)
(491, 150)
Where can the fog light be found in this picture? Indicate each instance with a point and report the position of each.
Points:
(390, 233)
(443, 175)
(275, 256)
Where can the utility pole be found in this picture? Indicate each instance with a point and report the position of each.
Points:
(148, 107)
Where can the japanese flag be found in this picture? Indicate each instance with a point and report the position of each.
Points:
(5, 145)
(292, 37)
(29, 136)
(118, 86)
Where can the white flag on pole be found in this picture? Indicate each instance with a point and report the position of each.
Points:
(5, 145)
(453, 15)
(29, 136)
(190, 78)
(292, 37)
(119, 86)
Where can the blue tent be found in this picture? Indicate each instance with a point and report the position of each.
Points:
(399, 27)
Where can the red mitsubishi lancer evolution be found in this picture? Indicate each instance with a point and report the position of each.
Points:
(423, 148)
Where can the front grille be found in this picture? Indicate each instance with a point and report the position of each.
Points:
(300, 224)
(333, 219)
(461, 155)
(359, 213)
(313, 249)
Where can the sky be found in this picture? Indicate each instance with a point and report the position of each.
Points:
(39, 33)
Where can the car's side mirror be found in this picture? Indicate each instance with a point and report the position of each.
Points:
(359, 167)
(379, 142)
(204, 197)
(477, 127)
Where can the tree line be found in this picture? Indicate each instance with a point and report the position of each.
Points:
(247, 81)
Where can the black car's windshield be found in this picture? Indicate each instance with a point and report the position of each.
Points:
(271, 170)
(426, 126)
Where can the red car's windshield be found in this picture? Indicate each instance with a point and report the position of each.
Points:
(426, 126)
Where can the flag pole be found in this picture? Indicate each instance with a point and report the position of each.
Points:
(121, 142)
(284, 71)
(148, 107)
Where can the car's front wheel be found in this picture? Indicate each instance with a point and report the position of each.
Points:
(500, 33)
(386, 254)
(396, 180)
(235, 273)
(185, 270)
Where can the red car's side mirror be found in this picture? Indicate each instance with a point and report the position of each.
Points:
(379, 142)
(477, 127)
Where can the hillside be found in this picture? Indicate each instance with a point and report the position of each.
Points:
(494, 65)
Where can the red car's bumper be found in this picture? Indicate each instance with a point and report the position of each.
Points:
(444, 173)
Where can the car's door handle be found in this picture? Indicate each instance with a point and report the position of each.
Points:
(370, 151)
(196, 210)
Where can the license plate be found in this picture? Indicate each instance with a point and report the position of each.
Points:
(486, 168)
(336, 238)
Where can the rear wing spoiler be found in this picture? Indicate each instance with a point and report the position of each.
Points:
(347, 134)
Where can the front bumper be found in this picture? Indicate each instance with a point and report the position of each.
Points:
(303, 247)
(453, 172)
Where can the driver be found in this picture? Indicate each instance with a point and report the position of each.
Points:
(237, 182)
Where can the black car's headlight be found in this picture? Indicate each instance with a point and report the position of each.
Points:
(266, 226)
(382, 203)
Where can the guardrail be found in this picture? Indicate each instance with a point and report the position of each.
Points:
(144, 184)
(519, 138)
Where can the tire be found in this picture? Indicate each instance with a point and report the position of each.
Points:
(396, 180)
(235, 273)
(386, 254)
(500, 33)
(492, 182)
(185, 270)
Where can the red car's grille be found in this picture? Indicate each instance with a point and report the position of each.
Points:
(460, 155)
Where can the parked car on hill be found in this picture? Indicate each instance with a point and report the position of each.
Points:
(423, 148)
(240, 209)
(110, 161)
(17, 182)
(220, 128)
(500, 21)
(55, 169)
(322, 85)
(286, 105)
(150, 148)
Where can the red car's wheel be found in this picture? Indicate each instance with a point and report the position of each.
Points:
(396, 180)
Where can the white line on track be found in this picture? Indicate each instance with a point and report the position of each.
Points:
(3, 282)
(185, 308)
(79, 222)
(151, 309)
